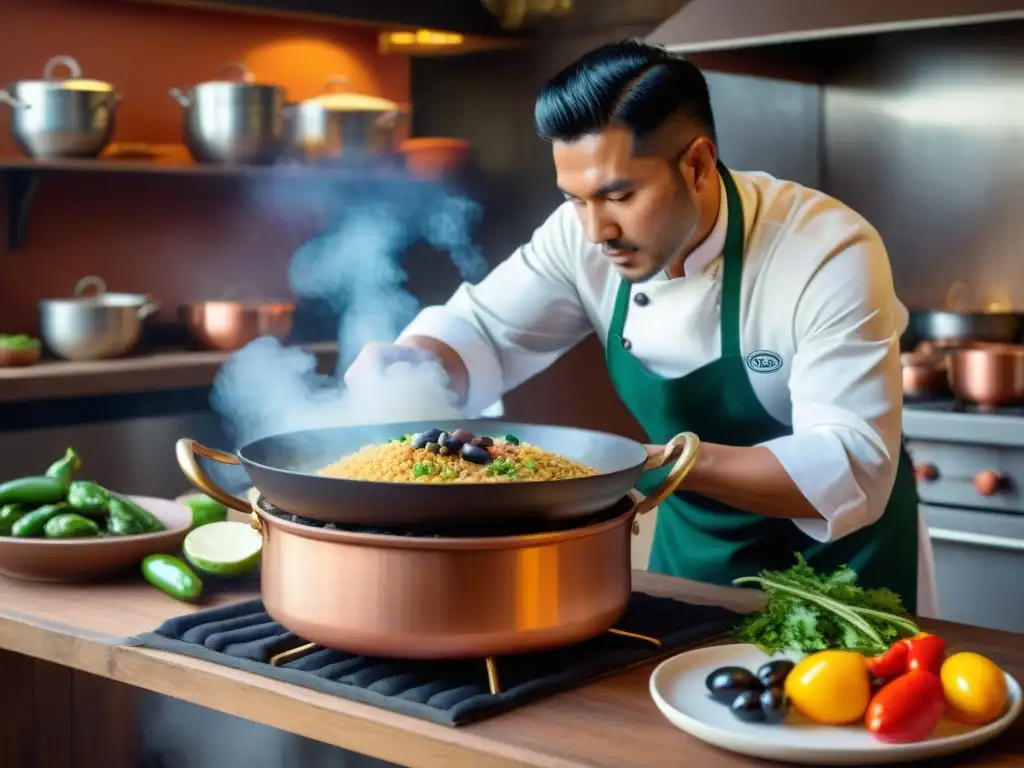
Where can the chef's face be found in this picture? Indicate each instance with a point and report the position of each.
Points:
(643, 208)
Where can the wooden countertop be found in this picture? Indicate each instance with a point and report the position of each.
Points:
(178, 369)
(611, 723)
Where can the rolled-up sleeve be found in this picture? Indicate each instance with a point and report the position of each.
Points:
(846, 389)
(519, 319)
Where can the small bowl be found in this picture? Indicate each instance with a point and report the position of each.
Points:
(82, 560)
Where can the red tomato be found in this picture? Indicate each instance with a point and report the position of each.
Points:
(927, 652)
(907, 709)
(890, 664)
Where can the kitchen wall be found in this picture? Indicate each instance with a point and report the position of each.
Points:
(182, 238)
(924, 135)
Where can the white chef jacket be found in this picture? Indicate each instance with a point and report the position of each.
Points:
(817, 292)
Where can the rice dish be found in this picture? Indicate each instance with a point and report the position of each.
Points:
(436, 456)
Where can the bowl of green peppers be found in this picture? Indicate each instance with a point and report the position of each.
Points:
(59, 527)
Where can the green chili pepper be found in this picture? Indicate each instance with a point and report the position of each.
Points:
(64, 469)
(35, 521)
(86, 496)
(70, 526)
(9, 515)
(511, 439)
(173, 576)
(119, 525)
(32, 490)
(122, 507)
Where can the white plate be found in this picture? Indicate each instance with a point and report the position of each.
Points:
(678, 688)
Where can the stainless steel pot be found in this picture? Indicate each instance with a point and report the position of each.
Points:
(947, 326)
(339, 125)
(234, 121)
(432, 597)
(94, 327)
(62, 117)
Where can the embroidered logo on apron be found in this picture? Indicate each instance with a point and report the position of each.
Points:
(763, 361)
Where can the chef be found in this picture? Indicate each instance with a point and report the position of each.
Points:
(755, 312)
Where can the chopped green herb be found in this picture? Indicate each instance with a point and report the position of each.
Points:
(530, 464)
(449, 473)
(18, 341)
(502, 466)
(421, 468)
(806, 612)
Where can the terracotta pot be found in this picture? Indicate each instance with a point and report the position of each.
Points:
(228, 325)
(430, 597)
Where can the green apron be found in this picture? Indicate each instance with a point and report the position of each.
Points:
(701, 539)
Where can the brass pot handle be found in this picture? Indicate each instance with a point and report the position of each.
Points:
(687, 458)
(187, 452)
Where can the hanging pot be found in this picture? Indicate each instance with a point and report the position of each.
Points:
(353, 127)
(68, 117)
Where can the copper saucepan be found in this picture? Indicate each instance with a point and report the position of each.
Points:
(988, 374)
(431, 598)
(924, 375)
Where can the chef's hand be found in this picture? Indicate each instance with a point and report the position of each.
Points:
(375, 357)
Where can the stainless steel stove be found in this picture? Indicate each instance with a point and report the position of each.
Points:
(969, 463)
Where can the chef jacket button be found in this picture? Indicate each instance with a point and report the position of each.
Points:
(641, 300)
(627, 344)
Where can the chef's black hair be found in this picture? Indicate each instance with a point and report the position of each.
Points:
(625, 83)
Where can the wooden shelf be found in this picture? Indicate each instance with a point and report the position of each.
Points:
(165, 370)
(23, 176)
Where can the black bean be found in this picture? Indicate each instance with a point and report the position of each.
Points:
(424, 437)
(463, 435)
(475, 454)
(453, 443)
(747, 707)
(726, 683)
(774, 672)
(774, 704)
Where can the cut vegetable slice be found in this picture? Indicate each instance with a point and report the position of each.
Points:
(224, 549)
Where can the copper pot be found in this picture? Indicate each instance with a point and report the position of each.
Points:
(924, 375)
(988, 374)
(228, 325)
(433, 598)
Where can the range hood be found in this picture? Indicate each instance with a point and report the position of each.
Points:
(717, 25)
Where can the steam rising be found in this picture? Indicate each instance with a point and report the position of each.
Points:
(267, 388)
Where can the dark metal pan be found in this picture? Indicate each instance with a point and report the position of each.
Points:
(283, 468)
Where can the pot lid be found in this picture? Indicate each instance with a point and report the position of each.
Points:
(73, 82)
(335, 99)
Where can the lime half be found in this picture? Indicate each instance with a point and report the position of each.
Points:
(224, 549)
(204, 509)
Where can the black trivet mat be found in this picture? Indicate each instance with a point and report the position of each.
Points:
(243, 636)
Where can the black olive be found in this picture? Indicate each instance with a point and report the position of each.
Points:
(485, 442)
(726, 683)
(747, 707)
(424, 437)
(475, 454)
(463, 435)
(453, 442)
(774, 672)
(774, 704)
